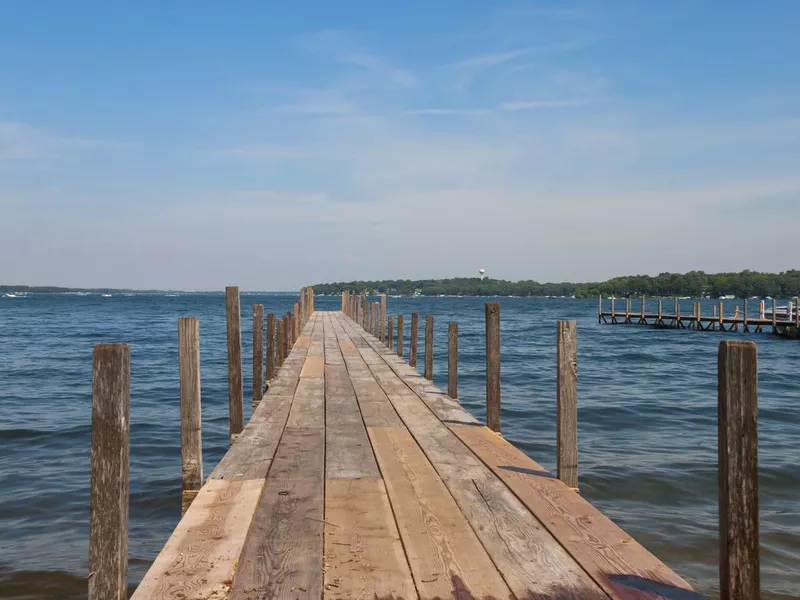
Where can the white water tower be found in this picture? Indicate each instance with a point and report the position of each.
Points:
(482, 272)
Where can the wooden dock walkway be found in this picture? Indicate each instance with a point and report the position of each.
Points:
(357, 478)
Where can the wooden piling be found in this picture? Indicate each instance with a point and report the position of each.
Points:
(280, 342)
(383, 318)
(296, 323)
(400, 331)
(452, 360)
(270, 347)
(627, 308)
(191, 424)
(287, 335)
(110, 472)
(567, 402)
(738, 470)
(235, 386)
(644, 301)
(429, 347)
(660, 309)
(796, 312)
(761, 310)
(412, 349)
(774, 313)
(258, 353)
(613, 309)
(390, 327)
(311, 299)
(493, 365)
(721, 316)
(600, 308)
(677, 312)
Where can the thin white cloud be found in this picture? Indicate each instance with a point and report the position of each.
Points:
(262, 152)
(20, 141)
(492, 59)
(538, 104)
(389, 74)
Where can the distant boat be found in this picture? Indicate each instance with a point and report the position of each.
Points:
(106, 295)
(11, 296)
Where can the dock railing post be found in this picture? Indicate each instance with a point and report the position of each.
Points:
(721, 316)
(428, 374)
(191, 422)
(400, 330)
(110, 472)
(270, 347)
(613, 309)
(383, 318)
(412, 350)
(744, 315)
(288, 334)
(452, 360)
(762, 310)
(677, 312)
(258, 353)
(280, 343)
(296, 323)
(235, 386)
(600, 308)
(390, 327)
(643, 306)
(567, 402)
(628, 308)
(492, 311)
(774, 314)
(738, 471)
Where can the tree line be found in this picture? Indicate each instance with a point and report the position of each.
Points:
(696, 284)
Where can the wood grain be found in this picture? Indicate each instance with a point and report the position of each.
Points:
(452, 360)
(191, 421)
(738, 471)
(447, 560)
(493, 366)
(110, 472)
(364, 557)
(413, 335)
(233, 313)
(200, 556)
(258, 353)
(314, 366)
(429, 347)
(567, 402)
(270, 347)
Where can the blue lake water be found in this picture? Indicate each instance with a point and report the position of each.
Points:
(647, 424)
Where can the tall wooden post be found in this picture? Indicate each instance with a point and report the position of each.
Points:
(452, 360)
(567, 402)
(296, 323)
(390, 327)
(412, 350)
(627, 308)
(613, 309)
(493, 366)
(110, 468)
(761, 310)
(774, 313)
(235, 388)
(287, 334)
(644, 302)
(258, 353)
(721, 316)
(677, 312)
(599, 308)
(400, 331)
(270, 347)
(383, 318)
(429, 347)
(738, 471)
(191, 423)
(311, 299)
(280, 342)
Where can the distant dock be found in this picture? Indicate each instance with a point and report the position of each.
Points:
(736, 315)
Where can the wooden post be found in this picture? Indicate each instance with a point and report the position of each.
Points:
(412, 352)
(344, 298)
(660, 309)
(390, 321)
(235, 389)
(699, 315)
(191, 425)
(429, 347)
(599, 308)
(296, 323)
(627, 308)
(270, 347)
(796, 312)
(677, 312)
(721, 316)
(761, 310)
(744, 314)
(567, 402)
(400, 331)
(383, 318)
(738, 471)
(280, 343)
(287, 334)
(643, 306)
(258, 353)
(493, 366)
(110, 472)
(311, 299)
(613, 309)
(452, 360)
(774, 315)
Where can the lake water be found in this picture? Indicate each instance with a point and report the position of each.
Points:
(647, 424)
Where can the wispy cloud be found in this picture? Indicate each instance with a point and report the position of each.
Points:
(492, 59)
(392, 75)
(538, 104)
(263, 152)
(20, 141)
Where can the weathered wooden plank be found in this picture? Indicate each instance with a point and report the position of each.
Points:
(314, 366)
(414, 334)
(738, 471)
(493, 366)
(201, 554)
(258, 353)
(282, 555)
(110, 472)
(429, 347)
(347, 448)
(447, 560)
(532, 562)
(270, 347)
(618, 564)
(364, 557)
(452, 360)
(308, 408)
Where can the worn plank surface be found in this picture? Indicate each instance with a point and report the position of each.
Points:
(358, 478)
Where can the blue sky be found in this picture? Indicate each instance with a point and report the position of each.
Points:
(195, 145)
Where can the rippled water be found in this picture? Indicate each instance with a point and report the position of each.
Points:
(647, 424)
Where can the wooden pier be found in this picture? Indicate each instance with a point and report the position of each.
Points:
(739, 318)
(356, 477)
